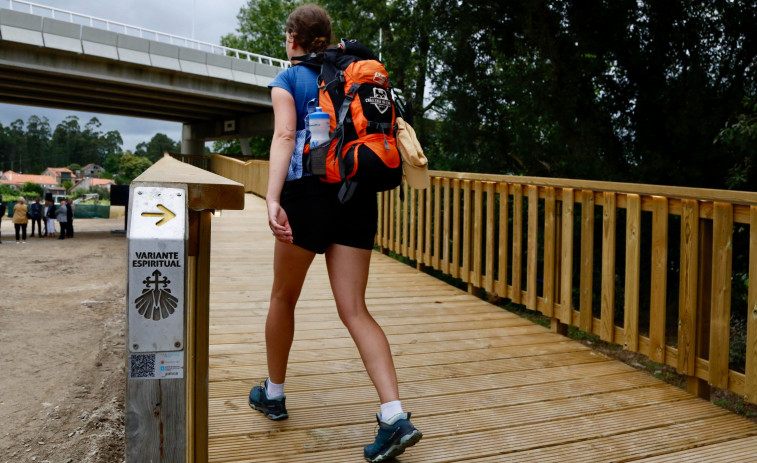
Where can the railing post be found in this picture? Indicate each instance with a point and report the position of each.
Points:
(168, 310)
(694, 384)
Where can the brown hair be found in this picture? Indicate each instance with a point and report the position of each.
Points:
(310, 26)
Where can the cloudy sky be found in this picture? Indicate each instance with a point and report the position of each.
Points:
(212, 19)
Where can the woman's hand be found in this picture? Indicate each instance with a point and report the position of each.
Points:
(279, 222)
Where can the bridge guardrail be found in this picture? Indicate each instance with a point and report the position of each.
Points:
(141, 32)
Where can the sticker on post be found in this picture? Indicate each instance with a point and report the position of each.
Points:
(157, 269)
(156, 365)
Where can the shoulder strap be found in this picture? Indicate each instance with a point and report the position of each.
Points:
(311, 60)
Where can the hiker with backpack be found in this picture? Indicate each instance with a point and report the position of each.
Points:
(337, 216)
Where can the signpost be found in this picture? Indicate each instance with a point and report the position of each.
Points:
(170, 208)
(157, 234)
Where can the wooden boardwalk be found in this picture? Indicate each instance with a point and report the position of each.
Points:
(484, 385)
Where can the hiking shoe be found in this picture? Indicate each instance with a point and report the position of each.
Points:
(392, 438)
(274, 408)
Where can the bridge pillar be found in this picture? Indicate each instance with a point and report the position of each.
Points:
(191, 145)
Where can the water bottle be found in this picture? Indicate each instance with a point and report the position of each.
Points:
(319, 128)
(318, 122)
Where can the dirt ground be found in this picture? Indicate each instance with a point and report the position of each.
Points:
(62, 327)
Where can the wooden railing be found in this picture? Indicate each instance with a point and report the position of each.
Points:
(569, 249)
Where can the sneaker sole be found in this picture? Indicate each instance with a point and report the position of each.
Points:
(270, 416)
(395, 450)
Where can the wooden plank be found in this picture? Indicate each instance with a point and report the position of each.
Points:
(532, 246)
(392, 219)
(488, 283)
(549, 252)
(751, 345)
(741, 450)
(412, 213)
(467, 230)
(405, 220)
(198, 430)
(517, 270)
(438, 224)
(431, 221)
(698, 384)
(420, 238)
(477, 238)
(454, 270)
(587, 260)
(503, 243)
(633, 256)
(658, 296)
(609, 222)
(446, 228)
(687, 301)
(566, 262)
(720, 327)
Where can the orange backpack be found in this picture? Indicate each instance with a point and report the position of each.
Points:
(354, 91)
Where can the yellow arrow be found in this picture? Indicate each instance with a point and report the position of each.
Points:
(166, 215)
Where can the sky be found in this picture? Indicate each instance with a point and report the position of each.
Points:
(212, 19)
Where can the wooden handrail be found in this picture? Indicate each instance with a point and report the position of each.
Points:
(167, 418)
(516, 237)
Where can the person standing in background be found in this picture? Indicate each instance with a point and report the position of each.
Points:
(35, 214)
(49, 218)
(2, 213)
(62, 215)
(70, 217)
(21, 219)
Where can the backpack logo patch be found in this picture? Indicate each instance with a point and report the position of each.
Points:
(380, 100)
(380, 78)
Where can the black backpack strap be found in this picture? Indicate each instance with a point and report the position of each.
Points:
(311, 60)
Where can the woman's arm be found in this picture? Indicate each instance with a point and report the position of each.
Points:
(282, 147)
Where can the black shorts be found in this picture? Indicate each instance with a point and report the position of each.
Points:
(318, 219)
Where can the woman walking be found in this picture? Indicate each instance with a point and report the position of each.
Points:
(307, 218)
(20, 219)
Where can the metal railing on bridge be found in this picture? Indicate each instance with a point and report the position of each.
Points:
(141, 32)
(644, 266)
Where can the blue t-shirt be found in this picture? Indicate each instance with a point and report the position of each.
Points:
(302, 83)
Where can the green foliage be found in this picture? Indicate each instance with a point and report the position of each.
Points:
(131, 166)
(261, 27)
(160, 143)
(34, 147)
(67, 184)
(259, 147)
(74, 167)
(33, 187)
(102, 192)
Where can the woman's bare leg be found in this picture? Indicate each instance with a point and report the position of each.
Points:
(348, 274)
(290, 267)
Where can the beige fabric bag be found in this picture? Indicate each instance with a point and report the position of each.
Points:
(414, 162)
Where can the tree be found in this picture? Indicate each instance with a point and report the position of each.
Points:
(261, 27)
(131, 166)
(38, 136)
(33, 187)
(158, 144)
(67, 141)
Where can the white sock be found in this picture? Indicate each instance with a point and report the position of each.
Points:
(273, 390)
(390, 409)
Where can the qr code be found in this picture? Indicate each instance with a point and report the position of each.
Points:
(142, 366)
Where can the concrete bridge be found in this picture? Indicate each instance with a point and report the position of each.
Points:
(48, 58)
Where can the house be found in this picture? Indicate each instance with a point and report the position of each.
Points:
(91, 170)
(88, 182)
(16, 180)
(61, 174)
